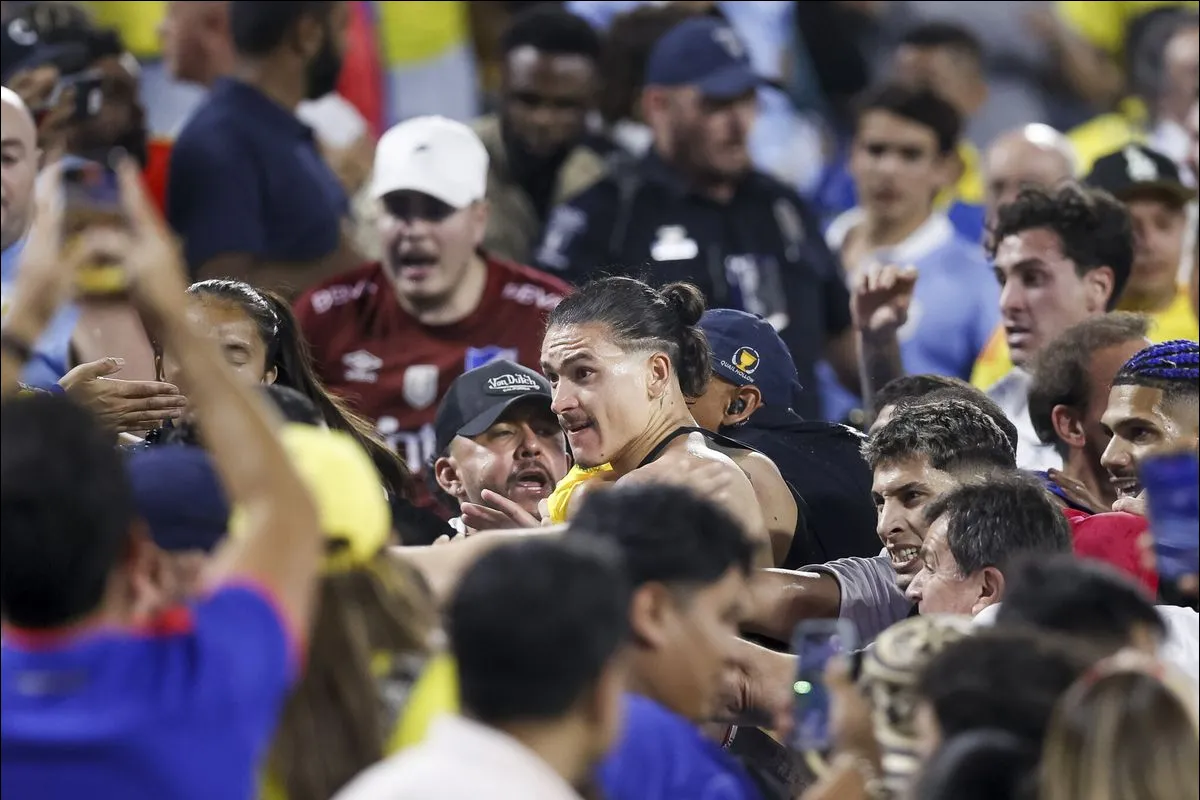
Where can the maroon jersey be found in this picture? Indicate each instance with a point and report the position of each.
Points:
(394, 370)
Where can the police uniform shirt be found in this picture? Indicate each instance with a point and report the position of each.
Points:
(762, 252)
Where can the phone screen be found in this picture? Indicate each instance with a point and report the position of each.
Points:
(92, 197)
(815, 642)
(1173, 504)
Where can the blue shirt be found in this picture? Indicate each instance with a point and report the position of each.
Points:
(662, 756)
(955, 306)
(52, 352)
(246, 177)
(184, 710)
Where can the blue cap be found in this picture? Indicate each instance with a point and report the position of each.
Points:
(746, 351)
(178, 494)
(705, 53)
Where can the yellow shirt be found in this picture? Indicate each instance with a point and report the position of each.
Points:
(560, 499)
(1105, 24)
(435, 693)
(1176, 321)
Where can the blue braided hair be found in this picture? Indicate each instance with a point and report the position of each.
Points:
(1172, 367)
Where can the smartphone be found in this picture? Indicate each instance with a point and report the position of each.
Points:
(88, 89)
(814, 643)
(92, 197)
(1173, 505)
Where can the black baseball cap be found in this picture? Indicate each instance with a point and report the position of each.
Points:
(1136, 169)
(479, 397)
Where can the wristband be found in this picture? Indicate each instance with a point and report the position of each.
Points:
(16, 346)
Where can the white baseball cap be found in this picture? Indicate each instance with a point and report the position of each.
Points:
(432, 155)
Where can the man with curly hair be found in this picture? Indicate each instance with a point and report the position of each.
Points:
(1062, 256)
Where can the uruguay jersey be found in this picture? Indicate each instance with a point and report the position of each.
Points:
(181, 710)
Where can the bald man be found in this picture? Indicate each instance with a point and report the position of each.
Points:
(21, 157)
(1034, 155)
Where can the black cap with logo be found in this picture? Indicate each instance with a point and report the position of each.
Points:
(478, 398)
(1136, 170)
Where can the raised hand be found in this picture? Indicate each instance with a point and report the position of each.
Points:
(497, 512)
(122, 406)
(881, 297)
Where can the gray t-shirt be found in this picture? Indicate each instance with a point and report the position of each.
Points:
(871, 600)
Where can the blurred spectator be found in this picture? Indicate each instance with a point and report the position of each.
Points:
(81, 86)
(901, 158)
(974, 533)
(947, 60)
(1149, 185)
(749, 398)
(390, 337)
(1125, 730)
(497, 434)
(197, 44)
(1003, 681)
(537, 629)
(701, 213)
(1078, 597)
(1034, 155)
(249, 192)
(1062, 256)
(1070, 380)
(626, 50)
(539, 151)
(1162, 54)
(688, 562)
(52, 355)
(263, 344)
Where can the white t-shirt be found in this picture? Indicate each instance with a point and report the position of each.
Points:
(1181, 645)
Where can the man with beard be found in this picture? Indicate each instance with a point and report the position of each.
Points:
(392, 335)
(498, 444)
(538, 146)
(694, 210)
(248, 190)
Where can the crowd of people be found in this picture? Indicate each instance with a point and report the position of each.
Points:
(526, 457)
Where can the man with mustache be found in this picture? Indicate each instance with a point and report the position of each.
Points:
(248, 190)
(392, 335)
(498, 443)
(694, 209)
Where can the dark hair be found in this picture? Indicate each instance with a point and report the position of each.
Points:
(552, 29)
(1146, 40)
(982, 765)
(920, 105)
(641, 316)
(667, 534)
(258, 28)
(1059, 372)
(288, 355)
(1002, 679)
(293, 406)
(533, 625)
(1093, 227)
(1171, 367)
(66, 510)
(912, 387)
(973, 395)
(992, 522)
(945, 35)
(1076, 597)
(627, 47)
(953, 434)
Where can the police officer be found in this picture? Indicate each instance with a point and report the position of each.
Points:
(694, 209)
(750, 399)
